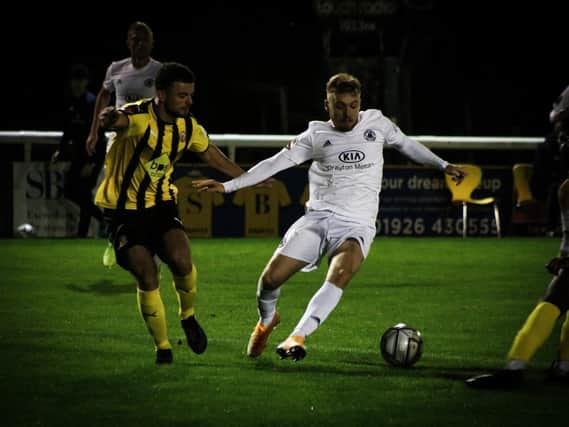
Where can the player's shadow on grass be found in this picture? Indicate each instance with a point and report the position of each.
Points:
(289, 366)
(102, 287)
(362, 367)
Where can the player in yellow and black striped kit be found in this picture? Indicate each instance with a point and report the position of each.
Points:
(554, 305)
(139, 200)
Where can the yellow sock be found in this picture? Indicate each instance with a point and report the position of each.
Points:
(534, 332)
(152, 310)
(564, 341)
(186, 289)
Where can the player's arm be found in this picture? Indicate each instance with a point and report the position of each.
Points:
(112, 118)
(102, 101)
(215, 158)
(258, 173)
(421, 154)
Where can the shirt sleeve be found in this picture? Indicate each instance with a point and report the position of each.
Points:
(108, 82)
(299, 150)
(411, 148)
(261, 171)
(199, 140)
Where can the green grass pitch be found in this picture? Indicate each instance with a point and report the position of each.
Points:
(76, 353)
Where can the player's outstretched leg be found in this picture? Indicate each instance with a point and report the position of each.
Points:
(292, 348)
(260, 336)
(319, 308)
(535, 330)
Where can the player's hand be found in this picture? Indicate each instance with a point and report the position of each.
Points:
(209, 185)
(457, 173)
(108, 117)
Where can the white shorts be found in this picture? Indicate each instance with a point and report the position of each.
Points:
(320, 233)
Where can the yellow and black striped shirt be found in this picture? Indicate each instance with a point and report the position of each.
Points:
(140, 162)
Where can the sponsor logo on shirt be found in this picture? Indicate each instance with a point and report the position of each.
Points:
(351, 156)
(156, 168)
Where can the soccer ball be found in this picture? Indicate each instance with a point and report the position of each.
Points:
(26, 230)
(401, 345)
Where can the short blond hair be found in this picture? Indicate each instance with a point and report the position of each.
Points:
(343, 83)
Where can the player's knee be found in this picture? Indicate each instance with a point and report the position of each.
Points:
(147, 280)
(270, 280)
(180, 265)
(558, 291)
(340, 275)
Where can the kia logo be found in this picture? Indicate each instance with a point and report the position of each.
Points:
(351, 156)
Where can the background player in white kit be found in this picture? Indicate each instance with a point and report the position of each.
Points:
(344, 183)
(129, 79)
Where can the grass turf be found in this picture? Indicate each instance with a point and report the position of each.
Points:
(76, 352)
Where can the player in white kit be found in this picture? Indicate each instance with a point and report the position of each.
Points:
(129, 79)
(344, 185)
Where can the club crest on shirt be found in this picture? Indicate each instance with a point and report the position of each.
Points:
(369, 135)
(149, 82)
(291, 144)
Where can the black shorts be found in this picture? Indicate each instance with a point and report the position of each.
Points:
(127, 228)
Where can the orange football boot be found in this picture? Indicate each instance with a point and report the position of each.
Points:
(260, 336)
(292, 348)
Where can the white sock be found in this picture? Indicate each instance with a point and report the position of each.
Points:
(319, 307)
(267, 303)
(516, 364)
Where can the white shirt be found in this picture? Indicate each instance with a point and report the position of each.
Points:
(347, 169)
(130, 84)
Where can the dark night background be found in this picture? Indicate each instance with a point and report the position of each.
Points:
(441, 68)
